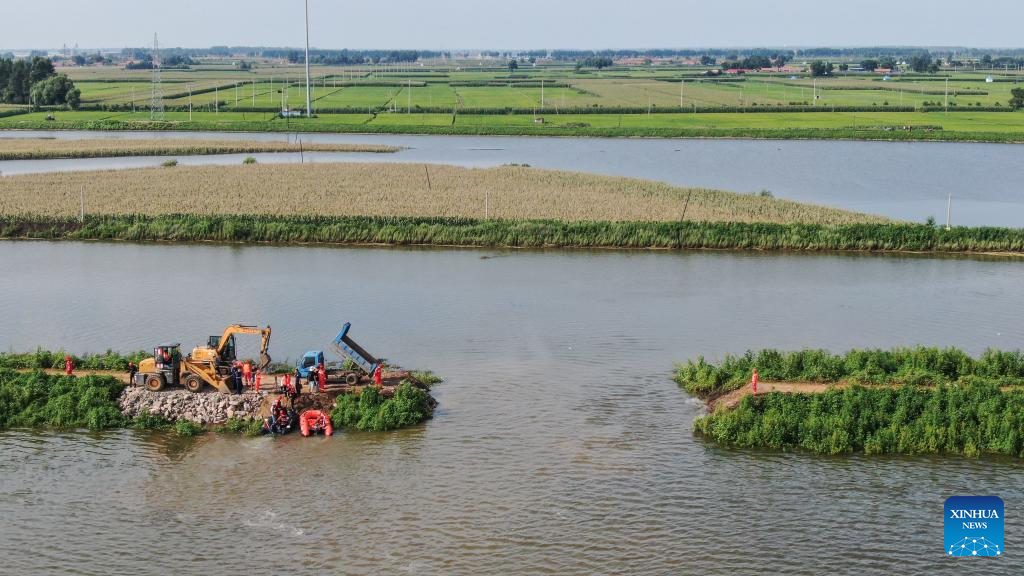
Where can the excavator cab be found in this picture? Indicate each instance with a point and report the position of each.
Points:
(227, 354)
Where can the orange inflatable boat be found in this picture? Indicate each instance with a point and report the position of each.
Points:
(315, 422)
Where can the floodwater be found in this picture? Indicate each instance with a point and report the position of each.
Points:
(908, 180)
(561, 445)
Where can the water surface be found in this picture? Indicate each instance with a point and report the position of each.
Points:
(561, 445)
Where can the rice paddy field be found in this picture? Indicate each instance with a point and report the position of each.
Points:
(484, 98)
(396, 190)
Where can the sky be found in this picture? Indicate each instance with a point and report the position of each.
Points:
(514, 24)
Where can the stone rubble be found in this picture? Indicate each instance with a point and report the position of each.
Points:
(202, 408)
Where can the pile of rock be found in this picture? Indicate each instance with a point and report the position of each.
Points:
(203, 408)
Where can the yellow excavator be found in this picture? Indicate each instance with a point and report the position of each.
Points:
(210, 364)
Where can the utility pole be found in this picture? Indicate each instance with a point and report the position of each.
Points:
(309, 99)
(681, 81)
(81, 206)
(541, 93)
(216, 99)
(947, 96)
(190, 102)
(410, 97)
(949, 209)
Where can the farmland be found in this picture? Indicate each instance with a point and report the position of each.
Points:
(554, 100)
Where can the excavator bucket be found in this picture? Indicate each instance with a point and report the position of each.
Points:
(264, 361)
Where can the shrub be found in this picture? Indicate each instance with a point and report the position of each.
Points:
(370, 411)
(170, 163)
(147, 421)
(37, 399)
(187, 428)
(249, 160)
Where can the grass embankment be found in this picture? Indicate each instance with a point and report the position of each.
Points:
(910, 401)
(49, 148)
(977, 126)
(394, 190)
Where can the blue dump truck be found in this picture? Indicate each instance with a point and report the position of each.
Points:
(357, 369)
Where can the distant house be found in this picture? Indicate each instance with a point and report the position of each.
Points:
(883, 70)
(989, 79)
(736, 71)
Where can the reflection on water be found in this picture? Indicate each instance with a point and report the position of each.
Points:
(561, 445)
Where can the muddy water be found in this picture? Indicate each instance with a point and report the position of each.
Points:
(909, 181)
(561, 445)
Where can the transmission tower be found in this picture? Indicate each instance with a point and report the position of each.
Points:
(156, 105)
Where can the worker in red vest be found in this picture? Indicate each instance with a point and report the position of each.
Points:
(259, 378)
(753, 381)
(378, 378)
(247, 373)
(321, 377)
(69, 365)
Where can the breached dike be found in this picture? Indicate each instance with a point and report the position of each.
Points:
(203, 408)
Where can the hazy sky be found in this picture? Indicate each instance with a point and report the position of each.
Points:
(512, 24)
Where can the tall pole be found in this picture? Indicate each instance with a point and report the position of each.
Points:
(189, 102)
(949, 210)
(309, 99)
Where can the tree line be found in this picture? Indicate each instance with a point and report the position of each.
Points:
(36, 82)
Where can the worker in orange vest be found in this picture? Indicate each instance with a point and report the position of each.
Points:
(247, 373)
(753, 381)
(69, 365)
(321, 377)
(378, 378)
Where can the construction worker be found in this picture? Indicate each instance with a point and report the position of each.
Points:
(133, 369)
(247, 373)
(321, 378)
(259, 379)
(236, 378)
(378, 377)
(69, 365)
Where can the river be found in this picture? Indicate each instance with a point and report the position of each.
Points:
(561, 445)
(903, 180)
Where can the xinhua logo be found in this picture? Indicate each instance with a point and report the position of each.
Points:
(974, 526)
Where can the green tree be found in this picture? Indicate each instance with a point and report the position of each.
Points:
(1017, 98)
(55, 90)
(819, 68)
(513, 65)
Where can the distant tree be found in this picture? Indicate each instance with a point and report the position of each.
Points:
(819, 68)
(922, 62)
(780, 60)
(598, 62)
(986, 60)
(78, 59)
(706, 60)
(844, 67)
(1017, 98)
(513, 65)
(887, 62)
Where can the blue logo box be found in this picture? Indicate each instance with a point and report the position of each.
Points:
(974, 526)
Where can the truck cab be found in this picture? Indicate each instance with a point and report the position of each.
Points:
(309, 360)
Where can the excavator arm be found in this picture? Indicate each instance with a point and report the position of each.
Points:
(240, 329)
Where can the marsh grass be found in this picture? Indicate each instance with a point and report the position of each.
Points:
(396, 190)
(49, 148)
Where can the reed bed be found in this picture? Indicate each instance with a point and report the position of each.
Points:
(523, 233)
(515, 194)
(972, 418)
(47, 148)
(915, 366)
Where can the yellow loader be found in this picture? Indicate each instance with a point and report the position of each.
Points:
(210, 364)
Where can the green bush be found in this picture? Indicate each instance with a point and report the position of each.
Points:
(36, 399)
(46, 359)
(147, 421)
(371, 411)
(919, 366)
(187, 428)
(970, 418)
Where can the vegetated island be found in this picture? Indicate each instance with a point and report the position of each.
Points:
(35, 393)
(906, 400)
(417, 204)
(52, 148)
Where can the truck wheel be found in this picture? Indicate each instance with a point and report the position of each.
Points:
(351, 379)
(193, 383)
(154, 383)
